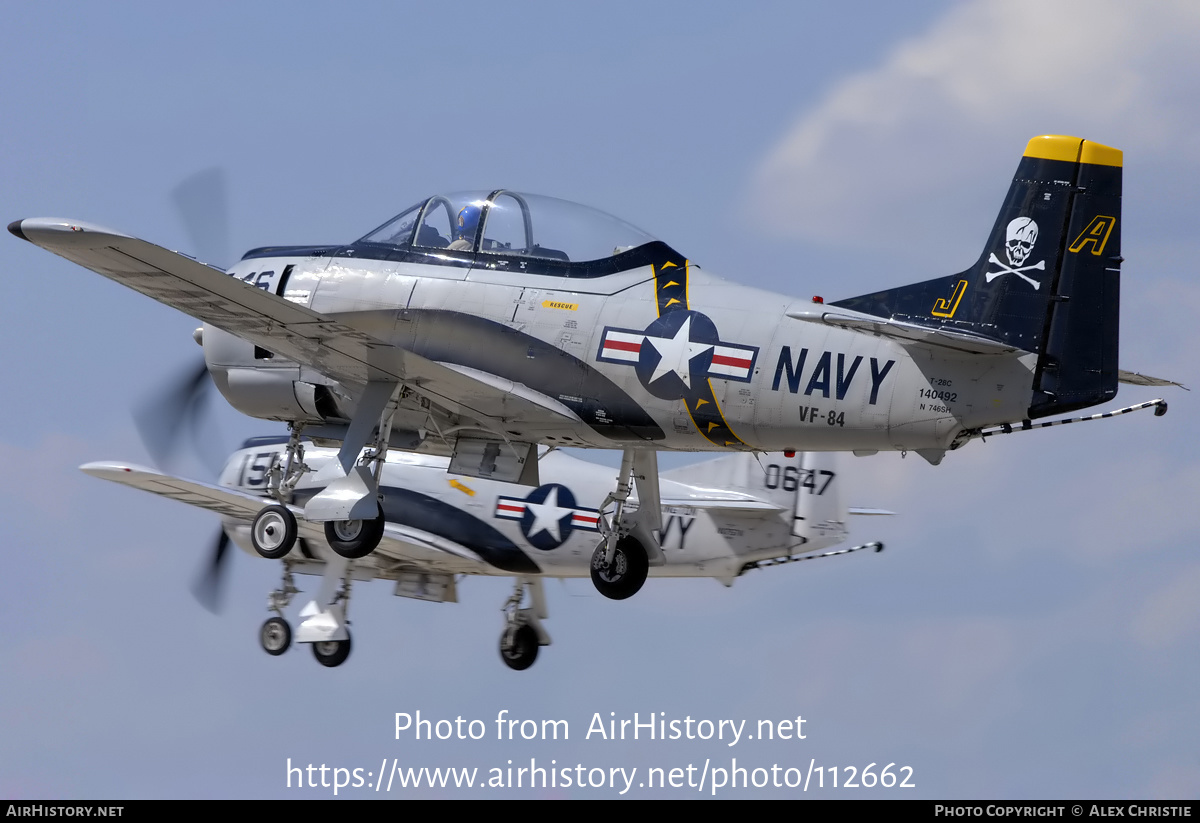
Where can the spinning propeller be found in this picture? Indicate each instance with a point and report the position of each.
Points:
(179, 412)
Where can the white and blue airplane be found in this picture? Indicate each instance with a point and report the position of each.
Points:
(719, 518)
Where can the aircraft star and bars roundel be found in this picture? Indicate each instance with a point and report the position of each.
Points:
(548, 515)
(678, 353)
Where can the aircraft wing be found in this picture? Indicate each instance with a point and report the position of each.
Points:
(399, 542)
(348, 355)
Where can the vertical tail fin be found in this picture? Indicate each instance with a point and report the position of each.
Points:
(820, 516)
(1048, 280)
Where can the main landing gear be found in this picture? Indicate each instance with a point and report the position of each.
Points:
(353, 539)
(622, 560)
(623, 577)
(349, 505)
(523, 633)
(274, 529)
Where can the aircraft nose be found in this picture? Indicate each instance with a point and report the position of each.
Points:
(15, 228)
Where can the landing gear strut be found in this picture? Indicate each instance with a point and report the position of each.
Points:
(274, 530)
(622, 560)
(322, 620)
(275, 636)
(349, 505)
(523, 634)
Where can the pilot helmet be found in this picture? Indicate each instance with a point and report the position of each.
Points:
(468, 221)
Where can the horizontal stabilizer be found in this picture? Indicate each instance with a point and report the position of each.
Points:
(905, 332)
(1133, 378)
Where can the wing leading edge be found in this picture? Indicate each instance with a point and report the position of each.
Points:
(337, 350)
(400, 542)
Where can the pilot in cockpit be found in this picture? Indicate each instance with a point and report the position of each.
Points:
(467, 225)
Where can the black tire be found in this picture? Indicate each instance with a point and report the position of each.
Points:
(625, 576)
(332, 653)
(275, 636)
(523, 649)
(273, 532)
(353, 539)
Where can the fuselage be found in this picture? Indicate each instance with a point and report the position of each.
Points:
(663, 354)
(552, 529)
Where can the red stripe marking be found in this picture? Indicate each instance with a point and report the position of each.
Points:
(622, 346)
(741, 363)
(510, 507)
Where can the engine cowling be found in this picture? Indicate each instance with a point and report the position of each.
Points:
(261, 384)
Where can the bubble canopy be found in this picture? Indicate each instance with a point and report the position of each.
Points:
(540, 234)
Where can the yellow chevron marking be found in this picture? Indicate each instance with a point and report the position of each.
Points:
(668, 265)
(672, 300)
(668, 285)
(700, 402)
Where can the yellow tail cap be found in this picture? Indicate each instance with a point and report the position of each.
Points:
(1072, 150)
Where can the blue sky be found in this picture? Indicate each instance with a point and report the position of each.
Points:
(1031, 630)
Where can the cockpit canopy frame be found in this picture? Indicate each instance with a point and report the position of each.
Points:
(508, 230)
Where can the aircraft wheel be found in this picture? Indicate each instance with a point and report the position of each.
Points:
(519, 647)
(275, 636)
(625, 576)
(353, 539)
(332, 652)
(273, 532)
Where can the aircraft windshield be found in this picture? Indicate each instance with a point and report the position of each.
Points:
(510, 224)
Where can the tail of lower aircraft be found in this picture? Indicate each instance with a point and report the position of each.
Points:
(1048, 280)
(803, 485)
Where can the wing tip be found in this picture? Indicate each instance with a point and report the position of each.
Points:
(60, 232)
(109, 468)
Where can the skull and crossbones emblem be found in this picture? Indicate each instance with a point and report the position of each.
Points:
(1022, 234)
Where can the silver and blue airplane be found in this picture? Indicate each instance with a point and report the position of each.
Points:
(720, 519)
(484, 327)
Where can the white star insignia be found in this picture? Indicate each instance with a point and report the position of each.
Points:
(676, 353)
(546, 516)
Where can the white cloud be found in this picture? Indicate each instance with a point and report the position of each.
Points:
(951, 109)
